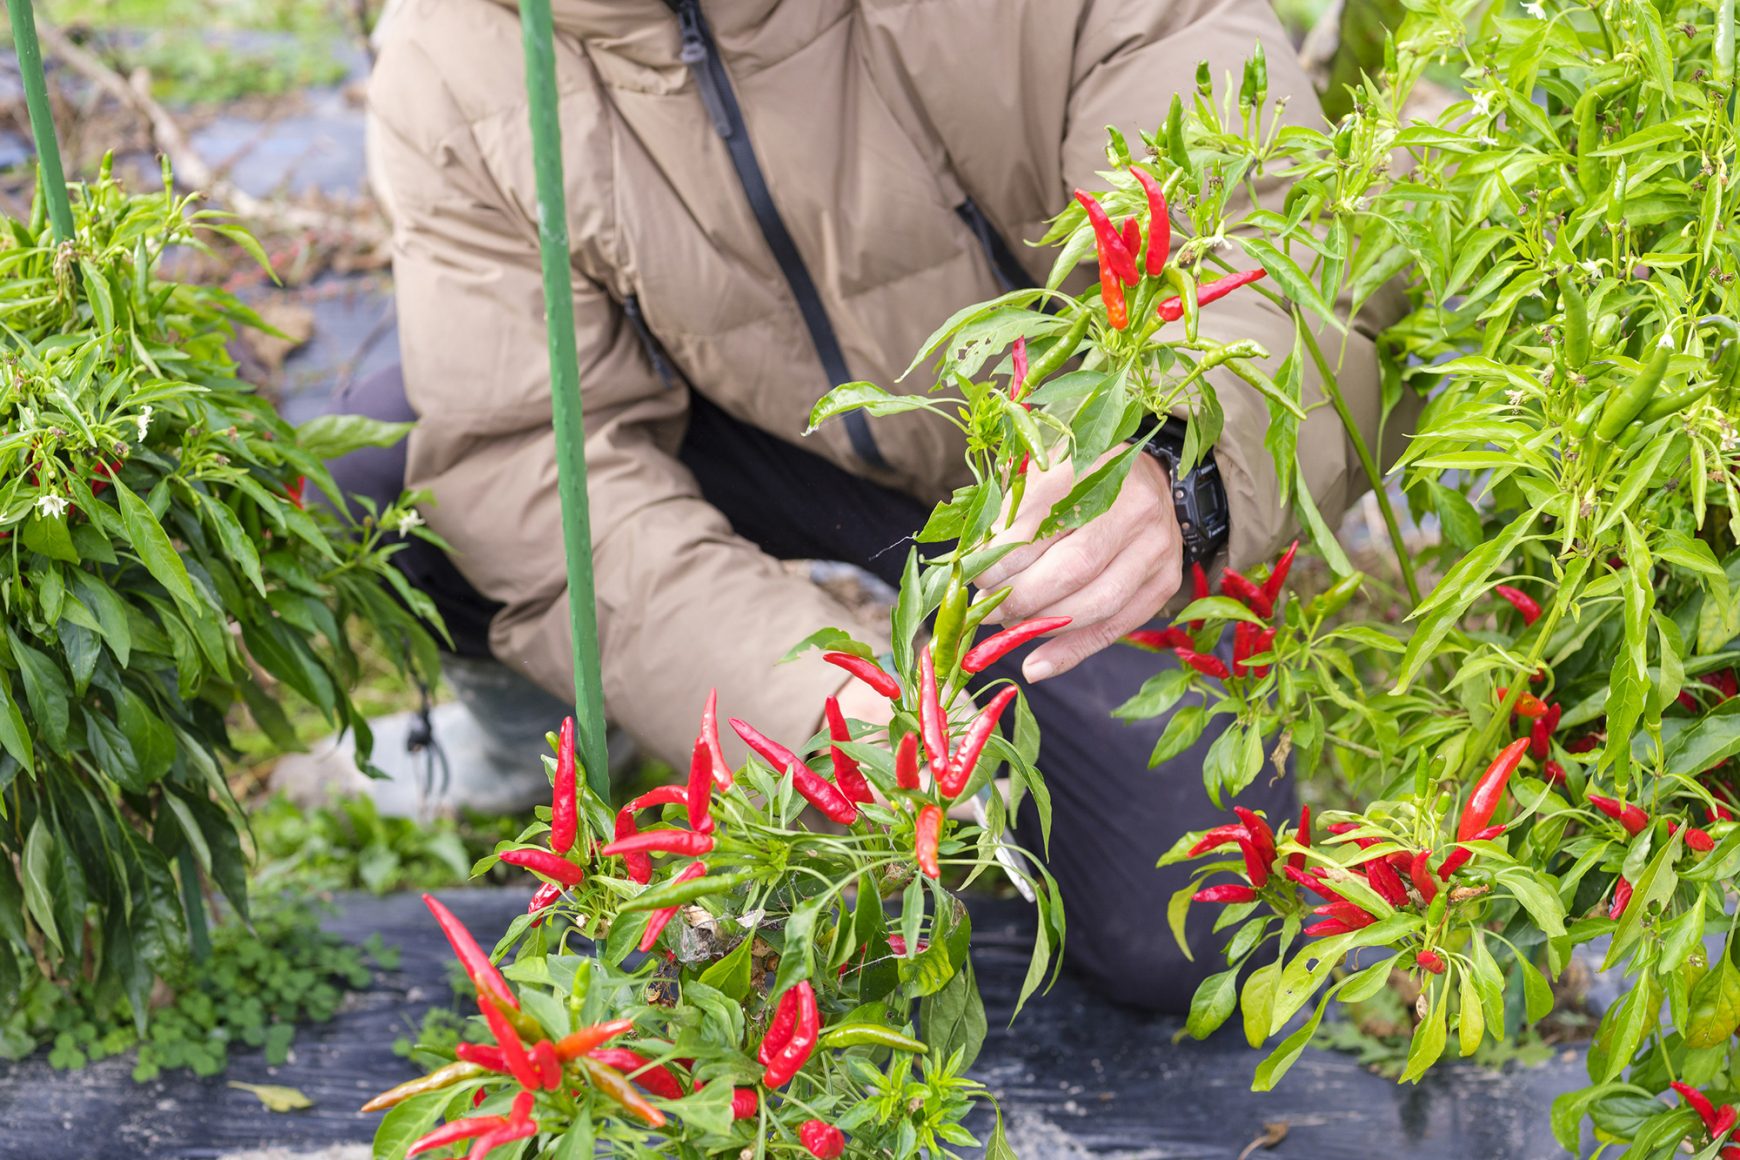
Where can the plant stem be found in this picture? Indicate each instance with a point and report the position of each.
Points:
(1374, 476)
(41, 117)
(539, 38)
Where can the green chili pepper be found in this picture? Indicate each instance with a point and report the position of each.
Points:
(1344, 139)
(1579, 424)
(674, 893)
(1045, 365)
(1589, 167)
(1626, 404)
(1204, 81)
(1673, 403)
(1181, 281)
(1616, 200)
(1334, 598)
(1175, 147)
(1260, 66)
(443, 1077)
(949, 617)
(1576, 338)
(1248, 87)
(1435, 910)
(870, 1035)
(1606, 330)
(976, 614)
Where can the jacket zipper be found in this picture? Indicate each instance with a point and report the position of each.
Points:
(702, 57)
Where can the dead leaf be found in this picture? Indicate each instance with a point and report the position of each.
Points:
(276, 1098)
(294, 323)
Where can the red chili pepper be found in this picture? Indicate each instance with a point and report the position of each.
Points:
(578, 1043)
(723, 778)
(1726, 684)
(1583, 744)
(478, 968)
(779, 1028)
(452, 1133)
(1198, 590)
(1217, 836)
(1489, 790)
(744, 1103)
(482, 1054)
(564, 804)
(1725, 1118)
(973, 742)
(1459, 857)
(549, 1067)
(1429, 961)
(1541, 732)
(1117, 255)
(1302, 835)
(1246, 592)
(1327, 927)
(1159, 639)
(1698, 1102)
(796, 1051)
(700, 792)
(1688, 702)
(296, 492)
(931, 720)
(1312, 880)
(846, 772)
(823, 1140)
(906, 763)
(1351, 913)
(1208, 666)
(994, 648)
(1159, 222)
(867, 671)
(1265, 642)
(1244, 641)
(1132, 235)
(1621, 898)
(519, 1064)
(637, 865)
(765, 747)
(1421, 874)
(1631, 817)
(685, 842)
(1112, 293)
(1527, 605)
(1386, 882)
(1262, 834)
(664, 795)
(1527, 705)
(1256, 864)
(1225, 894)
(552, 866)
(823, 794)
(1278, 577)
(1172, 309)
(928, 832)
(1018, 367)
(507, 1134)
(1696, 839)
(661, 918)
(654, 1077)
(543, 898)
(1719, 813)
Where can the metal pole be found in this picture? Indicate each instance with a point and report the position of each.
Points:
(41, 118)
(535, 25)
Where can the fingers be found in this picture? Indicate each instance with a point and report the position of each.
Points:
(1068, 649)
(1115, 590)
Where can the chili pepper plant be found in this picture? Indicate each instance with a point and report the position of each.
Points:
(161, 564)
(1536, 751)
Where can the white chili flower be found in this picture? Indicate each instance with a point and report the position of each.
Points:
(408, 519)
(143, 419)
(1535, 9)
(51, 506)
(1515, 396)
(1483, 103)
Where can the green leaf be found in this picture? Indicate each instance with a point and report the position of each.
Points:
(156, 552)
(1158, 694)
(1257, 1001)
(1295, 286)
(1714, 1006)
(1181, 733)
(954, 1018)
(46, 691)
(864, 397)
(49, 535)
(14, 735)
(1213, 1002)
(1092, 494)
(39, 889)
(1428, 1042)
(828, 640)
(329, 437)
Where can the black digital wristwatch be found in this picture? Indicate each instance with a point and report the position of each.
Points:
(1198, 496)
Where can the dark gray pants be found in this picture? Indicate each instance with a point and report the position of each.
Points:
(1112, 815)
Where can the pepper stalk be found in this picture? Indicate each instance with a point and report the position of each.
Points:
(30, 71)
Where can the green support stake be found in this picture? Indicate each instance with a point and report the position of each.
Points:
(41, 118)
(535, 26)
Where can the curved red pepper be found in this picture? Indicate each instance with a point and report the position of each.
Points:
(847, 775)
(927, 833)
(1421, 874)
(685, 842)
(700, 793)
(1430, 961)
(478, 968)
(1351, 913)
(1198, 590)
(1217, 836)
(1159, 639)
(1225, 894)
(1526, 605)
(552, 866)
(1018, 367)
(1278, 577)
(906, 762)
(482, 1054)
(1115, 253)
(549, 1067)
(1204, 663)
(664, 795)
(779, 1028)
(637, 865)
(661, 918)
(1172, 309)
(796, 1052)
(543, 898)
(823, 794)
(1302, 835)
(722, 775)
(1386, 882)
(765, 747)
(1159, 222)
(1112, 293)
(994, 648)
(867, 671)
(1632, 817)
(578, 1043)
(519, 1064)
(1262, 834)
(1698, 1102)
(973, 742)
(1621, 898)
(564, 803)
(821, 1139)
(1241, 588)
(457, 1130)
(1489, 791)
(654, 1077)
(1459, 857)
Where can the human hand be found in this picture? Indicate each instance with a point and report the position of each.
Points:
(1109, 577)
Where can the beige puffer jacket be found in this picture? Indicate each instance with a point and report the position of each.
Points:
(872, 120)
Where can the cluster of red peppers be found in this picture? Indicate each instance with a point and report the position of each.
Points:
(1118, 248)
(1250, 640)
(1717, 1121)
